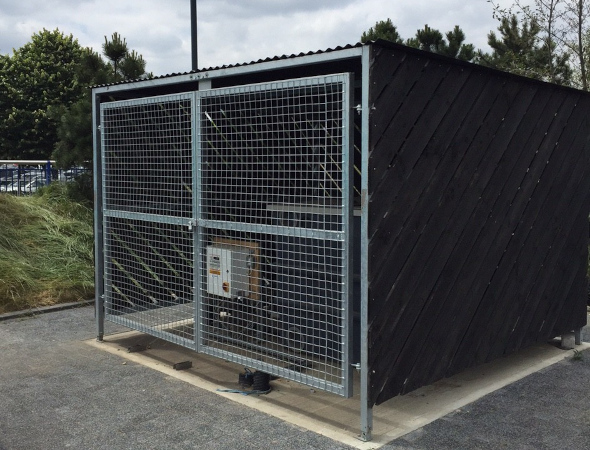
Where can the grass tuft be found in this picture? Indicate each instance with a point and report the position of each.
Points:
(46, 249)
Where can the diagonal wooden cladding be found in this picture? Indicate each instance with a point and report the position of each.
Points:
(478, 217)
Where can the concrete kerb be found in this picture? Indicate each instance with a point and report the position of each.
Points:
(44, 309)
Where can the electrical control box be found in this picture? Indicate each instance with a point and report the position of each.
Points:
(229, 270)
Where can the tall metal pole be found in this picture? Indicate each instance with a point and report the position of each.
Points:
(99, 272)
(366, 406)
(194, 52)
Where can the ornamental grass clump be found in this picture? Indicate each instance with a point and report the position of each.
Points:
(46, 249)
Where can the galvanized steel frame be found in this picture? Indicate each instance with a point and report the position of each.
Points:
(104, 213)
(345, 235)
(197, 223)
(366, 408)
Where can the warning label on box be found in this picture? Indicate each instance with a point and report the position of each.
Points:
(215, 265)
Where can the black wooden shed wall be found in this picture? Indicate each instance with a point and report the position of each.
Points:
(478, 217)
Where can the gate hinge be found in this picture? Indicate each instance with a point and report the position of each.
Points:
(359, 108)
(191, 224)
(357, 366)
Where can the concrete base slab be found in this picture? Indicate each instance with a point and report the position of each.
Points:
(328, 414)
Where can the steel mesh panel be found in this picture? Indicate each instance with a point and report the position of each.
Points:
(148, 277)
(273, 207)
(147, 153)
(147, 150)
(283, 314)
(265, 146)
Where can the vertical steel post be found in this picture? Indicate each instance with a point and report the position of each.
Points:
(366, 408)
(194, 41)
(98, 222)
(48, 173)
(18, 174)
(348, 223)
(197, 211)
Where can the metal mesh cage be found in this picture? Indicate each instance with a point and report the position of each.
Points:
(255, 266)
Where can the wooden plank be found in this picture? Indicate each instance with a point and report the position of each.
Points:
(532, 292)
(571, 271)
(400, 250)
(570, 314)
(437, 171)
(417, 349)
(508, 241)
(466, 257)
(440, 237)
(423, 148)
(462, 177)
(383, 69)
(441, 224)
(398, 109)
(437, 165)
(384, 239)
(534, 270)
(573, 312)
(519, 265)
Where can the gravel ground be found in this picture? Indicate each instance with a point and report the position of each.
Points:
(58, 392)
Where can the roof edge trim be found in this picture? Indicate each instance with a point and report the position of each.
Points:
(298, 60)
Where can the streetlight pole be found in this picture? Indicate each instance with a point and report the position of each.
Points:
(194, 51)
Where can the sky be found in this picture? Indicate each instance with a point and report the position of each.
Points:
(234, 31)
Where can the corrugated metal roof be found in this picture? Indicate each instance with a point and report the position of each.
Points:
(274, 58)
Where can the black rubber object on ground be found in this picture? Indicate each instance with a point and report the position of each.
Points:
(261, 381)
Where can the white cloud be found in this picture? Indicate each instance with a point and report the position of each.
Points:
(232, 31)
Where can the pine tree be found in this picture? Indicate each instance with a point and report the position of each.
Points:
(428, 39)
(456, 48)
(115, 51)
(519, 49)
(432, 40)
(384, 29)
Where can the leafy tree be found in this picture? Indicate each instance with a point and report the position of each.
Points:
(574, 36)
(384, 29)
(520, 50)
(5, 103)
(37, 76)
(74, 145)
(74, 130)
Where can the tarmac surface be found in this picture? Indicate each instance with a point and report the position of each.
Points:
(57, 392)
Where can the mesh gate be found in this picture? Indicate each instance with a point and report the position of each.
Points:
(255, 266)
(273, 216)
(147, 158)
